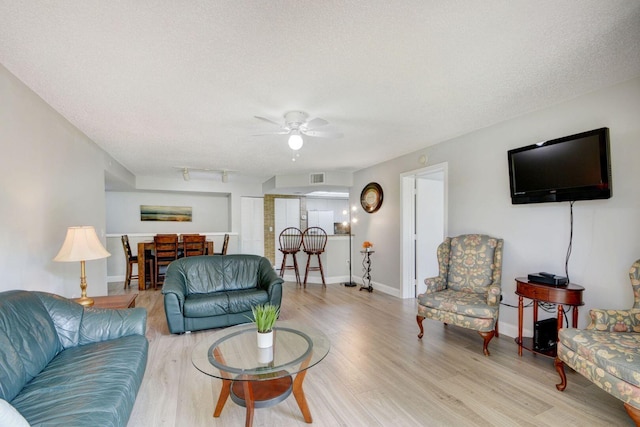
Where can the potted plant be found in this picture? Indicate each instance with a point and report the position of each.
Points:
(265, 316)
(367, 245)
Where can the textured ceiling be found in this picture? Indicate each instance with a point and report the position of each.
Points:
(163, 84)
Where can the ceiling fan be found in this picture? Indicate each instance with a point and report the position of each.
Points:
(296, 124)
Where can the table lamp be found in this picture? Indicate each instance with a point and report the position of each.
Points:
(82, 244)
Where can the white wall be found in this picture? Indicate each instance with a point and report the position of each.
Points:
(606, 232)
(210, 212)
(52, 177)
(235, 189)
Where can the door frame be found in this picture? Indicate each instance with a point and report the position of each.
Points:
(408, 226)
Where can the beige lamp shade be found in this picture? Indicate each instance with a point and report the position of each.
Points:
(81, 244)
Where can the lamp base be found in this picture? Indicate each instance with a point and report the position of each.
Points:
(85, 301)
(350, 284)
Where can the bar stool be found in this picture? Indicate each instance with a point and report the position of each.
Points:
(133, 260)
(314, 240)
(290, 241)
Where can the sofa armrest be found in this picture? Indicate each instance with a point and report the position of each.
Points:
(615, 320)
(270, 281)
(102, 324)
(175, 294)
(435, 284)
(493, 294)
(267, 276)
(275, 293)
(173, 304)
(175, 283)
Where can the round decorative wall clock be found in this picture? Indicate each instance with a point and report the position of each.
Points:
(371, 197)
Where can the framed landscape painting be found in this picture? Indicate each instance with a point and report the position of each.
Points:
(165, 213)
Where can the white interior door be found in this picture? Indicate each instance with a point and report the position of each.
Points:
(429, 225)
(424, 225)
(287, 214)
(252, 225)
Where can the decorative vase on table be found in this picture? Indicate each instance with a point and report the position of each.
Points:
(265, 339)
(265, 316)
(265, 355)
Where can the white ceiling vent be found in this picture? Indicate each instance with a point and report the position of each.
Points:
(316, 178)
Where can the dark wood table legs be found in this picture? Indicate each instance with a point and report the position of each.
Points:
(570, 295)
(252, 393)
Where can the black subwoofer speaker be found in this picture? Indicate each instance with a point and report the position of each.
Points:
(545, 334)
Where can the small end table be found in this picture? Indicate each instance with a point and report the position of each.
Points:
(570, 295)
(366, 267)
(114, 301)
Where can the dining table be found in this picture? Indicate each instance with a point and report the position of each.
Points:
(146, 248)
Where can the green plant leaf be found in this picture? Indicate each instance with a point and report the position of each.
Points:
(265, 316)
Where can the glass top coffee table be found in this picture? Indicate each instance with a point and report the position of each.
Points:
(261, 377)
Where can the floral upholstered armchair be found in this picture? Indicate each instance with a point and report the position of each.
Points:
(607, 352)
(466, 292)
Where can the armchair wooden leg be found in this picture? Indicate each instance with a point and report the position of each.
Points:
(559, 364)
(419, 319)
(634, 413)
(487, 337)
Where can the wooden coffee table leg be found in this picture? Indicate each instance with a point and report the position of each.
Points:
(298, 393)
(226, 386)
(248, 400)
(222, 399)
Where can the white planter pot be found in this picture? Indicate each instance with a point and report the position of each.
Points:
(265, 355)
(265, 339)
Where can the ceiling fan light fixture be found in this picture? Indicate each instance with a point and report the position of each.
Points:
(295, 141)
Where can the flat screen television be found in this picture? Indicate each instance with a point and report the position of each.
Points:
(575, 167)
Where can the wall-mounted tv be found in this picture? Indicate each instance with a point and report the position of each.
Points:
(575, 167)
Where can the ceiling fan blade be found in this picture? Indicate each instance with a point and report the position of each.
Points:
(269, 121)
(315, 123)
(282, 132)
(320, 134)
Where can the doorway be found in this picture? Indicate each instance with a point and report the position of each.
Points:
(252, 225)
(424, 225)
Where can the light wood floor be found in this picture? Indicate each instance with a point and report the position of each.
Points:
(377, 373)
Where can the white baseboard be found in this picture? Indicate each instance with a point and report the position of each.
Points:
(377, 287)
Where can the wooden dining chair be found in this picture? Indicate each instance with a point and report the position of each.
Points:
(193, 244)
(165, 252)
(132, 260)
(225, 246)
(290, 240)
(314, 240)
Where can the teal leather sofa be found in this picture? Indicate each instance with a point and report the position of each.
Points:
(62, 364)
(205, 292)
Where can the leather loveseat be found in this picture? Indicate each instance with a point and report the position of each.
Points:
(205, 292)
(62, 364)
